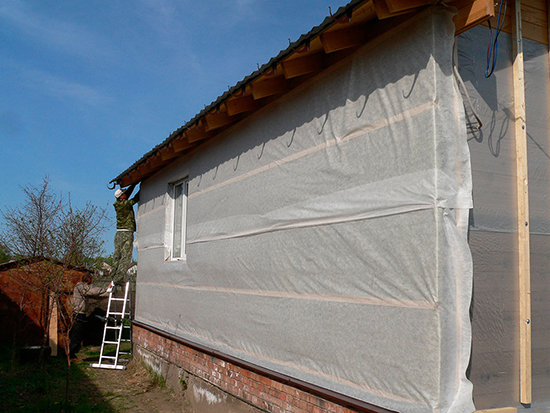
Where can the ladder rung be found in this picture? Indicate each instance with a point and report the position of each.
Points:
(122, 321)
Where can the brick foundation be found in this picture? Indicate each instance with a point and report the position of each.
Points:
(251, 388)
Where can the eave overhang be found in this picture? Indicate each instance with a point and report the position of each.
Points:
(340, 34)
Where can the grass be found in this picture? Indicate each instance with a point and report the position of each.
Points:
(30, 387)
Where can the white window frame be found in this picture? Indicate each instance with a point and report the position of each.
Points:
(182, 232)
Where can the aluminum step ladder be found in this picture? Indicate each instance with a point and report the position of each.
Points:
(118, 330)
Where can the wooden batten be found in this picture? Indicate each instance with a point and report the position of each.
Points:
(216, 120)
(344, 39)
(303, 65)
(269, 87)
(241, 105)
(522, 185)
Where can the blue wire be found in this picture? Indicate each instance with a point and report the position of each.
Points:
(493, 45)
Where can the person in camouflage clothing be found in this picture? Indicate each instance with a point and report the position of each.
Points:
(124, 238)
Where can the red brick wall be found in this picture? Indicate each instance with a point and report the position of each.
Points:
(256, 389)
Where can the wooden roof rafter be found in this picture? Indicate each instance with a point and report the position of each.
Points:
(336, 38)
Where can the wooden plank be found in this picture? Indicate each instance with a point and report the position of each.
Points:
(168, 153)
(396, 6)
(197, 133)
(383, 11)
(216, 120)
(269, 87)
(241, 105)
(181, 143)
(303, 65)
(155, 160)
(472, 14)
(534, 23)
(53, 326)
(343, 39)
(524, 276)
(536, 4)
(534, 16)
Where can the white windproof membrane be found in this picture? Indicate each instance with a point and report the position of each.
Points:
(327, 233)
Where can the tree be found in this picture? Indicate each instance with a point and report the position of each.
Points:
(30, 228)
(45, 226)
(64, 236)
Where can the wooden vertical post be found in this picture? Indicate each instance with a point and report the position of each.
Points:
(524, 270)
(52, 328)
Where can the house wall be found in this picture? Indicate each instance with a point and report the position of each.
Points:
(493, 225)
(326, 233)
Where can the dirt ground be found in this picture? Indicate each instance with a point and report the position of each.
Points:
(135, 389)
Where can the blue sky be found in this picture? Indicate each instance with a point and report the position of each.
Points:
(88, 87)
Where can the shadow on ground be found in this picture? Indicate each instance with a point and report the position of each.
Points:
(31, 387)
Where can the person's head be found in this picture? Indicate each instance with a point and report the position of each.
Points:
(121, 194)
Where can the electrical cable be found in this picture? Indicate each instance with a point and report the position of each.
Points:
(492, 47)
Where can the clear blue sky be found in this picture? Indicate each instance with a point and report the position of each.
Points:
(88, 87)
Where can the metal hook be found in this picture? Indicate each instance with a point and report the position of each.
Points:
(358, 115)
(323, 126)
(302, 49)
(291, 138)
(113, 187)
(341, 20)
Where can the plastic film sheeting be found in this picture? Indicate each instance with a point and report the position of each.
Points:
(327, 232)
(493, 232)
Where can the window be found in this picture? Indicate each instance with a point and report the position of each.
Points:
(179, 199)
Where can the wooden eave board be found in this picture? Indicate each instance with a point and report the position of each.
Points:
(343, 34)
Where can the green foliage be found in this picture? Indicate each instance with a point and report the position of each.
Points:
(4, 254)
